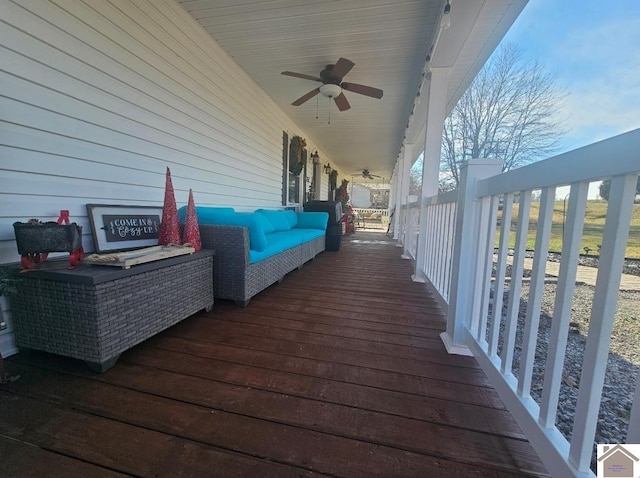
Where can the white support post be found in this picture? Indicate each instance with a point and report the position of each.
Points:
(465, 269)
(407, 161)
(393, 198)
(432, 147)
(401, 195)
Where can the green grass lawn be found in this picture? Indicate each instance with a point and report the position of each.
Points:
(593, 228)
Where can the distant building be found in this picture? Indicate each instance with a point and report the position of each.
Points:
(360, 196)
(366, 196)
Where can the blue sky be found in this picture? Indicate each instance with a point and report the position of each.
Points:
(593, 46)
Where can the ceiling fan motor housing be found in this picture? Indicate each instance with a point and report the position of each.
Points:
(327, 76)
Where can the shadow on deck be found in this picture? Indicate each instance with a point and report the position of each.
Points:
(339, 371)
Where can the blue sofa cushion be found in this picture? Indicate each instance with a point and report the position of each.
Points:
(263, 222)
(270, 250)
(276, 217)
(310, 234)
(291, 216)
(313, 220)
(285, 239)
(257, 237)
(203, 213)
(279, 241)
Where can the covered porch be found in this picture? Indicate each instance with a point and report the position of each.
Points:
(337, 371)
(349, 367)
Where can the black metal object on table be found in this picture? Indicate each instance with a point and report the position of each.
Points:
(333, 236)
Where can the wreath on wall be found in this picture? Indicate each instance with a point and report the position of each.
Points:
(342, 195)
(297, 155)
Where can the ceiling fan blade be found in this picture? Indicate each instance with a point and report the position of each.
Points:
(342, 67)
(341, 102)
(306, 97)
(301, 75)
(362, 90)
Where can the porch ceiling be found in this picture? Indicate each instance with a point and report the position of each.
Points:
(387, 40)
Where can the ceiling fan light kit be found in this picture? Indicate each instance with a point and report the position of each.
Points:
(330, 91)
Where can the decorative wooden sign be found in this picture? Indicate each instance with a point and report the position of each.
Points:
(121, 228)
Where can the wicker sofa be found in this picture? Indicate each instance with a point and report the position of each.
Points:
(255, 250)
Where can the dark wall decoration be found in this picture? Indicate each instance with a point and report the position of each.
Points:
(297, 155)
(333, 181)
(285, 162)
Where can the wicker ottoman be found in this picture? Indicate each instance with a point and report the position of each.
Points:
(94, 313)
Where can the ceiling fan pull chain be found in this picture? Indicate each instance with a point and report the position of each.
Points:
(329, 110)
(317, 102)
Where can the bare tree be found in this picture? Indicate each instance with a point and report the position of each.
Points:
(415, 177)
(507, 113)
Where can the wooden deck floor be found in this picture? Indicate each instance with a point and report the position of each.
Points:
(337, 371)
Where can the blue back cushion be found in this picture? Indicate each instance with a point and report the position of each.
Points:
(263, 222)
(257, 238)
(204, 213)
(277, 218)
(313, 220)
(291, 216)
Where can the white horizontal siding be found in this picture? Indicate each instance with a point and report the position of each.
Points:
(98, 97)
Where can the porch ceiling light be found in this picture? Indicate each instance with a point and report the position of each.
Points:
(330, 90)
(446, 16)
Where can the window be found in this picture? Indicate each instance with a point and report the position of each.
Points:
(294, 188)
(294, 166)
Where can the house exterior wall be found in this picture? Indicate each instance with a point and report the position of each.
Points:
(361, 196)
(98, 98)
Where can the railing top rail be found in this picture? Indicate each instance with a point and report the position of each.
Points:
(610, 157)
(442, 198)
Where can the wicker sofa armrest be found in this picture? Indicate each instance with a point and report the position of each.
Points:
(231, 245)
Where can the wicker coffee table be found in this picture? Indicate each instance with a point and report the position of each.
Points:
(94, 313)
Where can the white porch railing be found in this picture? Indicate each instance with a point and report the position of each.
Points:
(411, 227)
(439, 212)
(371, 218)
(460, 267)
(369, 212)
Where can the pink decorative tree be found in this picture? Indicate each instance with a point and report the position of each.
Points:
(169, 228)
(191, 234)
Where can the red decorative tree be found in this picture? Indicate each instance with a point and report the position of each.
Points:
(169, 228)
(191, 234)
